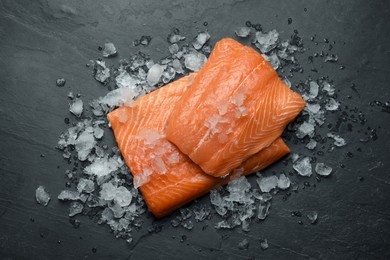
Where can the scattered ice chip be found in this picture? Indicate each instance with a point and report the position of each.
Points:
(188, 224)
(266, 184)
(323, 169)
(98, 132)
(103, 166)
(100, 72)
(125, 80)
(243, 32)
(312, 216)
(145, 40)
(76, 107)
(305, 129)
(154, 74)
(338, 141)
(266, 41)
(313, 92)
(287, 82)
(140, 179)
(328, 88)
(194, 60)
(331, 58)
(200, 40)
(174, 48)
(177, 66)
(239, 190)
(273, 60)
(75, 208)
(69, 195)
(117, 210)
(42, 196)
(120, 195)
(332, 105)
(201, 213)
(85, 185)
(313, 108)
(168, 75)
(263, 210)
(294, 157)
(109, 50)
(311, 144)
(60, 82)
(283, 182)
(263, 244)
(244, 244)
(303, 167)
(174, 38)
(84, 144)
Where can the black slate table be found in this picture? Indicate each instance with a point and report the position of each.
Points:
(41, 41)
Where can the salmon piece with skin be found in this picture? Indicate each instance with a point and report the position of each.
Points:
(167, 178)
(236, 107)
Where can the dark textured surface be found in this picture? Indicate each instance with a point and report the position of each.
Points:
(43, 40)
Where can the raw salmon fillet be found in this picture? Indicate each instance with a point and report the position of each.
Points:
(167, 178)
(236, 106)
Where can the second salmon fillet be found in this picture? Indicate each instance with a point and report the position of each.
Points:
(236, 107)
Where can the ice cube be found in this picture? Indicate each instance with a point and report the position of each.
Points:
(168, 75)
(328, 88)
(194, 60)
(274, 60)
(107, 215)
(331, 58)
(174, 157)
(120, 195)
(85, 185)
(287, 82)
(243, 32)
(100, 72)
(98, 132)
(200, 40)
(283, 182)
(145, 40)
(313, 92)
(140, 179)
(294, 157)
(174, 48)
(76, 107)
(332, 105)
(177, 66)
(117, 210)
(311, 144)
(263, 210)
(266, 184)
(263, 244)
(154, 74)
(201, 213)
(84, 144)
(305, 129)
(103, 166)
(322, 169)
(42, 196)
(75, 208)
(266, 41)
(303, 167)
(109, 50)
(125, 80)
(239, 190)
(338, 141)
(174, 38)
(188, 224)
(312, 216)
(244, 244)
(313, 108)
(69, 195)
(60, 82)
